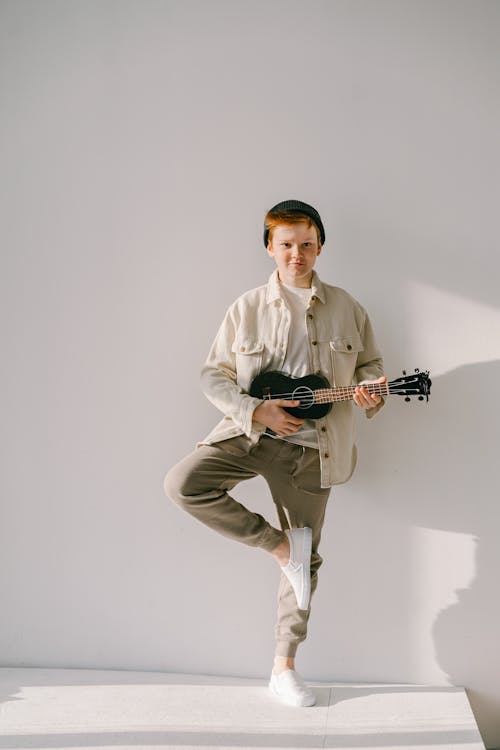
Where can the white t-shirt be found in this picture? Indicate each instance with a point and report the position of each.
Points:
(296, 361)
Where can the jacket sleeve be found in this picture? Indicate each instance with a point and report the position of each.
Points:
(219, 378)
(370, 365)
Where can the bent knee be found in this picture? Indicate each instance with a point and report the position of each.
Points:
(178, 485)
(172, 486)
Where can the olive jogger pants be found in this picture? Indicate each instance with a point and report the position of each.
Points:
(200, 482)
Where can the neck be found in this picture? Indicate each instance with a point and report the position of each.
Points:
(300, 283)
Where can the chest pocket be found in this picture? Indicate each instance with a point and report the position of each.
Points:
(347, 344)
(344, 352)
(248, 354)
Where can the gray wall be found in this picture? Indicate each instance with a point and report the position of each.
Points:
(142, 143)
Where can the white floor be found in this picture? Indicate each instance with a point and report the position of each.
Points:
(67, 708)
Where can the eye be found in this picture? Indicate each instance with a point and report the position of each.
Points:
(307, 243)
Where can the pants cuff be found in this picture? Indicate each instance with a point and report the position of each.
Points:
(286, 648)
(271, 540)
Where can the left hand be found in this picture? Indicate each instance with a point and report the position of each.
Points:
(362, 397)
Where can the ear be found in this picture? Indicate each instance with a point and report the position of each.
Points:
(320, 248)
(270, 250)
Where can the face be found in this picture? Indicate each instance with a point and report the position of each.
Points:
(295, 249)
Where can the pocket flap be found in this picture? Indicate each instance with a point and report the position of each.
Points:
(346, 344)
(246, 346)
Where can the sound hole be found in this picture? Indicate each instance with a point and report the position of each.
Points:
(306, 396)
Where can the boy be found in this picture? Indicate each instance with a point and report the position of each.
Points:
(298, 325)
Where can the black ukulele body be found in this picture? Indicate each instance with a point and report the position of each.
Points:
(274, 384)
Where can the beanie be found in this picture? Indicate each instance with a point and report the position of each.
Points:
(304, 208)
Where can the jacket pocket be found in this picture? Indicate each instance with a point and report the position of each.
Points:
(344, 352)
(247, 347)
(347, 344)
(248, 354)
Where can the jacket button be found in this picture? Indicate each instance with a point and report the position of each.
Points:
(242, 348)
(327, 455)
(310, 316)
(314, 343)
(323, 429)
(317, 372)
(349, 347)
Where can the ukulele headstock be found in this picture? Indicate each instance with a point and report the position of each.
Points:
(418, 384)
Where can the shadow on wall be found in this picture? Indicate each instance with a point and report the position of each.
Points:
(466, 633)
(455, 444)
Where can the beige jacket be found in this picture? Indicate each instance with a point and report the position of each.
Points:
(253, 337)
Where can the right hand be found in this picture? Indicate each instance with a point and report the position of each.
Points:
(272, 414)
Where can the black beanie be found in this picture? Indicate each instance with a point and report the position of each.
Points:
(304, 208)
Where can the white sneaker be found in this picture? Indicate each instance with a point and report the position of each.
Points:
(298, 568)
(291, 688)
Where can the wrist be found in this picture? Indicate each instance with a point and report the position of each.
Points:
(258, 413)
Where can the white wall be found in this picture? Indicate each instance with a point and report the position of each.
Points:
(142, 143)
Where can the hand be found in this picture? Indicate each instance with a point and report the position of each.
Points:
(272, 414)
(362, 397)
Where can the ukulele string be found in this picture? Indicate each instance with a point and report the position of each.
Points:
(292, 396)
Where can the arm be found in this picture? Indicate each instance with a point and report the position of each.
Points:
(219, 377)
(219, 383)
(369, 369)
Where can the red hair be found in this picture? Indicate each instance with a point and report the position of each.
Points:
(273, 219)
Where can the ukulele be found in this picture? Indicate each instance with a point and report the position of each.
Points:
(316, 396)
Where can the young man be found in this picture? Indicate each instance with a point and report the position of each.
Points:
(298, 325)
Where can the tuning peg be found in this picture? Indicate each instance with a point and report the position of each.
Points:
(420, 398)
(404, 372)
(407, 398)
(416, 369)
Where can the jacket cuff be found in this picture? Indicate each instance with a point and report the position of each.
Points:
(247, 424)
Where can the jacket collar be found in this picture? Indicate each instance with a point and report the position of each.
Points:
(274, 290)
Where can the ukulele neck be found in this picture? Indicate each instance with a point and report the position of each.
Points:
(345, 393)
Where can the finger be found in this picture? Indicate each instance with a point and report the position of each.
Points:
(287, 430)
(360, 395)
(360, 401)
(285, 402)
(362, 398)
